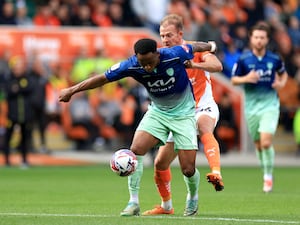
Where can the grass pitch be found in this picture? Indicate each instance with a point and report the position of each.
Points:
(95, 195)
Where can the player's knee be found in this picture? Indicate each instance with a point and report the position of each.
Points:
(137, 150)
(160, 164)
(188, 171)
(265, 144)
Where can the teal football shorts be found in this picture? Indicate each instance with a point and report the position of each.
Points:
(183, 129)
(262, 122)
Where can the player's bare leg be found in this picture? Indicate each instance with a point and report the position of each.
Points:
(162, 177)
(191, 175)
(142, 142)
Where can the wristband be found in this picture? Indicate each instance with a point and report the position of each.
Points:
(213, 46)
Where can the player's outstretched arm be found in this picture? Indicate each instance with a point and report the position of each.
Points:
(210, 63)
(200, 46)
(90, 83)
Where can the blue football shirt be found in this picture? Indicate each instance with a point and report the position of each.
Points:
(168, 85)
(260, 95)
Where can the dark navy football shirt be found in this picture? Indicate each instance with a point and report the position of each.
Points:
(260, 95)
(168, 85)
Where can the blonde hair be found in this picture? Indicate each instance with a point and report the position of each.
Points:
(173, 19)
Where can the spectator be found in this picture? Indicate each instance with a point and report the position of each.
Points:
(210, 29)
(272, 10)
(81, 115)
(18, 91)
(254, 10)
(150, 12)
(230, 56)
(239, 34)
(83, 66)
(232, 12)
(4, 67)
(130, 17)
(40, 82)
(7, 17)
(83, 16)
(116, 14)
(182, 8)
(57, 81)
(64, 15)
(45, 17)
(297, 12)
(22, 19)
(294, 32)
(101, 61)
(54, 5)
(108, 106)
(100, 15)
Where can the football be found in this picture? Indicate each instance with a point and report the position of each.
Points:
(123, 162)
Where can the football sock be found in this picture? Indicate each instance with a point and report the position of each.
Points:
(212, 152)
(192, 184)
(268, 160)
(259, 155)
(163, 183)
(167, 205)
(134, 181)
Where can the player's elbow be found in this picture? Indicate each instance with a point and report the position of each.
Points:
(219, 67)
(234, 81)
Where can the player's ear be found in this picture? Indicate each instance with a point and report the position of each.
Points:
(158, 54)
(180, 33)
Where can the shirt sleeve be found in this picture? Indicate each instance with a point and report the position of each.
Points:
(117, 71)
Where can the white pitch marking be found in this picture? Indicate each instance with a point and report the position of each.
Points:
(152, 217)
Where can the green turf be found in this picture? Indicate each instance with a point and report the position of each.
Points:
(94, 195)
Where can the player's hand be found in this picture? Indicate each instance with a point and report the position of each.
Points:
(65, 95)
(188, 64)
(252, 77)
(278, 83)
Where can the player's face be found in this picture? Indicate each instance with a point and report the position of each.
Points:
(170, 35)
(148, 61)
(259, 40)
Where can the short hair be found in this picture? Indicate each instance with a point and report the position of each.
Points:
(261, 26)
(173, 19)
(144, 46)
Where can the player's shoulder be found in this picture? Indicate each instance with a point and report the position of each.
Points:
(173, 52)
(246, 54)
(127, 64)
(273, 55)
(175, 48)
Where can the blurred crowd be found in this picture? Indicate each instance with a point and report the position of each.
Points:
(114, 110)
(29, 93)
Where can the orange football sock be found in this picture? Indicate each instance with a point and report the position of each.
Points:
(212, 152)
(163, 183)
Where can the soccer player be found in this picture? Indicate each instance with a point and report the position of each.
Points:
(207, 115)
(162, 72)
(262, 73)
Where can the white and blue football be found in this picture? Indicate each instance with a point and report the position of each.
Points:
(123, 162)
